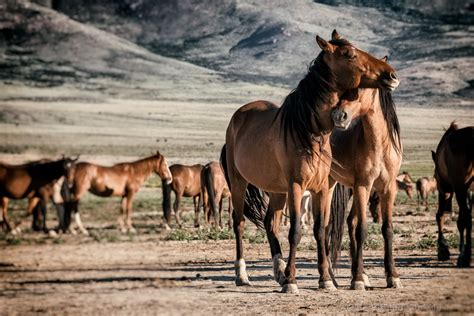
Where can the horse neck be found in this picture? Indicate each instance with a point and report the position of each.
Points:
(374, 124)
(48, 171)
(143, 168)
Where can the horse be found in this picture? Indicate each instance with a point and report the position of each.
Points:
(368, 151)
(214, 190)
(306, 210)
(32, 181)
(454, 174)
(424, 187)
(122, 179)
(406, 187)
(187, 183)
(58, 193)
(285, 151)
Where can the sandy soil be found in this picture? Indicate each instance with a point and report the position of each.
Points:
(147, 274)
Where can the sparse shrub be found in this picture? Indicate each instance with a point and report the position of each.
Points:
(426, 242)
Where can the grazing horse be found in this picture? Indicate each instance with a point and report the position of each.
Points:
(30, 180)
(368, 152)
(454, 174)
(424, 187)
(187, 183)
(285, 151)
(404, 186)
(214, 190)
(123, 179)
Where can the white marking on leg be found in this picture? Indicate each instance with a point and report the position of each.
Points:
(394, 283)
(279, 266)
(77, 218)
(241, 277)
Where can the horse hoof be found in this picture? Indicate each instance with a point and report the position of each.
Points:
(132, 230)
(52, 233)
(366, 280)
(279, 266)
(443, 253)
(327, 285)
(14, 232)
(394, 283)
(358, 285)
(290, 289)
(167, 227)
(85, 232)
(242, 282)
(18, 229)
(464, 261)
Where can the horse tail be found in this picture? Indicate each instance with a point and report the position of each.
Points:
(166, 187)
(255, 203)
(209, 182)
(339, 202)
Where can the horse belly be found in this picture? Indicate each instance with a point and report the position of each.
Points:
(16, 188)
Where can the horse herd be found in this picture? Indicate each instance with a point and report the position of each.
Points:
(337, 130)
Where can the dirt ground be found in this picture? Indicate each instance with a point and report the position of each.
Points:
(163, 272)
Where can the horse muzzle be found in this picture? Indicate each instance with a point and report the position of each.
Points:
(391, 82)
(341, 118)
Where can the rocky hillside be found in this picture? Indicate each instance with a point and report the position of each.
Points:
(150, 49)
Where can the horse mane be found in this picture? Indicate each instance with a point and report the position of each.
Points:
(390, 115)
(300, 106)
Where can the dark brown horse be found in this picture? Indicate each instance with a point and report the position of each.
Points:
(285, 151)
(187, 183)
(454, 174)
(123, 179)
(214, 190)
(424, 187)
(31, 180)
(368, 153)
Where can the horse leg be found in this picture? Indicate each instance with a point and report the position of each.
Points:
(444, 210)
(272, 227)
(229, 222)
(34, 208)
(238, 193)
(130, 198)
(196, 202)
(386, 201)
(360, 234)
(123, 211)
(464, 223)
(6, 222)
(220, 213)
(176, 203)
(321, 211)
(294, 236)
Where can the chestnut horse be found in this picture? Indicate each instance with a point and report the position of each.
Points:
(214, 190)
(424, 187)
(369, 155)
(30, 180)
(454, 174)
(285, 151)
(187, 183)
(123, 179)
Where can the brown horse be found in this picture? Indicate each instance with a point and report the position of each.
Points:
(30, 180)
(285, 151)
(368, 154)
(187, 183)
(454, 174)
(424, 187)
(214, 190)
(123, 179)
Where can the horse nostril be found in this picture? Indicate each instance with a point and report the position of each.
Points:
(393, 76)
(343, 116)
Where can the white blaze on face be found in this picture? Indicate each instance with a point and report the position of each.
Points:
(170, 176)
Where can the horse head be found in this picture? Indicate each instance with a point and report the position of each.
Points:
(162, 169)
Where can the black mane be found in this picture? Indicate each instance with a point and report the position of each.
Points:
(390, 115)
(299, 107)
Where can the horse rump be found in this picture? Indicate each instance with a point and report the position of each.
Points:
(255, 202)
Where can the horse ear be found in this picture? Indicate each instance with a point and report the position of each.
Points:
(324, 45)
(76, 159)
(384, 58)
(158, 153)
(433, 155)
(335, 35)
